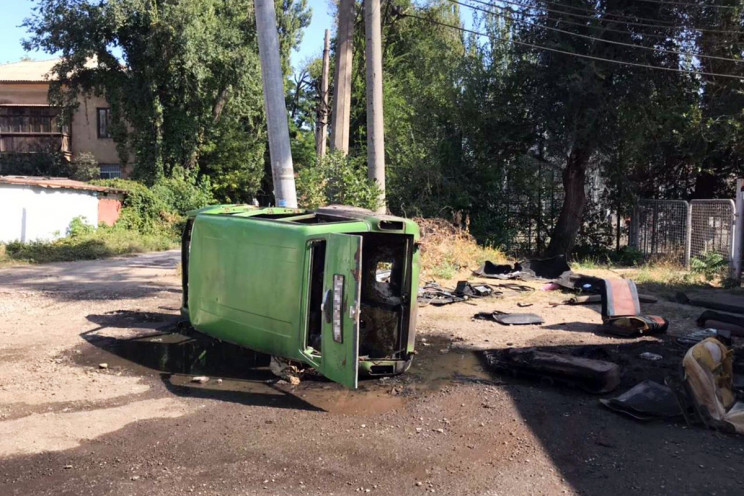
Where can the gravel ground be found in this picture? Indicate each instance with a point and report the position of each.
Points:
(138, 425)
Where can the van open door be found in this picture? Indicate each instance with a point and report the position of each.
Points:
(340, 308)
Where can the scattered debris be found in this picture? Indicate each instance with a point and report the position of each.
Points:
(551, 286)
(621, 311)
(597, 298)
(283, 368)
(645, 401)
(201, 379)
(510, 318)
(652, 357)
(696, 336)
(735, 323)
(708, 374)
(434, 294)
(714, 305)
(594, 376)
(103, 366)
(546, 268)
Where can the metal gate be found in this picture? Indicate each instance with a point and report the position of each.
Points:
(659, 229)
(712, 227)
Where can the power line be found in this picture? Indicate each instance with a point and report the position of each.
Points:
(595, 18)
(594, 38)
(688, 4)
(574, 54)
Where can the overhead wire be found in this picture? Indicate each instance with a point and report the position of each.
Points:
(573, 54)
(594, 38)
(688, 4)
(595, 18)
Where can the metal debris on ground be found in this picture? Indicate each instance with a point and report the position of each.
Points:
(695, 337)
(594, 376)
(651, 357)
(647, 400)
(510, 318)
(714, 305)
(734, 323)
(434, 294)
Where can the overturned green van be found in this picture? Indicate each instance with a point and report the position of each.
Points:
(334, 288)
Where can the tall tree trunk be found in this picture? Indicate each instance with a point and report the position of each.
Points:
(569, 221)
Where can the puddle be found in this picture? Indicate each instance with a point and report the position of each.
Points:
(176, 354)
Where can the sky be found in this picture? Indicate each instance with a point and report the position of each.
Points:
(15, 11)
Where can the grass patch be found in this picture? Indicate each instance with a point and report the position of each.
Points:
(101, 243)
(447, 250)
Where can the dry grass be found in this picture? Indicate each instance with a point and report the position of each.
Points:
(448, 251)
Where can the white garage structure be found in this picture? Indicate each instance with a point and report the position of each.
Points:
(41, 209)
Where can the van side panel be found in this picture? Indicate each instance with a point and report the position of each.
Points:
(246, 283)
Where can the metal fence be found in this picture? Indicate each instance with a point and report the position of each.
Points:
(712, 227)
(660, 228)
(677, 230)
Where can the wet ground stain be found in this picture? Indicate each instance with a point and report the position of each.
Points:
(175, 353)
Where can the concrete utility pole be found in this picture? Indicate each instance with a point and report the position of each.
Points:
(320, 135)
(375, 125)
(341, 112)
(276, 110)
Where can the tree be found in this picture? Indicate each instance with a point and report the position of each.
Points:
(181, 76)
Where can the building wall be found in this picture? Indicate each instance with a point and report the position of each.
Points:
(31, 213)
(84, 132)
(84, 126)
(109, 208)
(24, 93)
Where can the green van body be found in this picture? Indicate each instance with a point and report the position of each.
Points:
(309, 286)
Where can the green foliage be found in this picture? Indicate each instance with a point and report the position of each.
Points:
(190, 77)
(101, 243)
(84, 167)
(160, 208)
(80, 227)
(44, 162)
(710, 264)
(183, 191)
(337, 179)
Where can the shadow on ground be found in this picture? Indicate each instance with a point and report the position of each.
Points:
(177, 354)
(601, 452)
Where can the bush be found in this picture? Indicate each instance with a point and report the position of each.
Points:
(78, 227)
(710, 264)
(104, 242)
(337, 179)
(142, 209)
(164, 205)
(183, 191)
(84, 167)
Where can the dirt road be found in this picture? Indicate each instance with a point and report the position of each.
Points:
(96, 400)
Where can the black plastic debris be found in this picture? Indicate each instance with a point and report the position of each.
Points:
(537, 268)
(434, 294)
(594, 376)
(510, 318)
(647, 400)
(735, 323)
(714, 305)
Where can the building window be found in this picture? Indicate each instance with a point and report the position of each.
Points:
(104, 122)
(110, 171)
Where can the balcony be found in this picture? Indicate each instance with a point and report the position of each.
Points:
(32, 129)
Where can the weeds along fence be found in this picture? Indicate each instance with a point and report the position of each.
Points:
(676, 230)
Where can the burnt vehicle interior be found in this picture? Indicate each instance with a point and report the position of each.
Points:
(385, 293)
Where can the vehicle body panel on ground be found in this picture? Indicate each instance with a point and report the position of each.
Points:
(310, 286)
